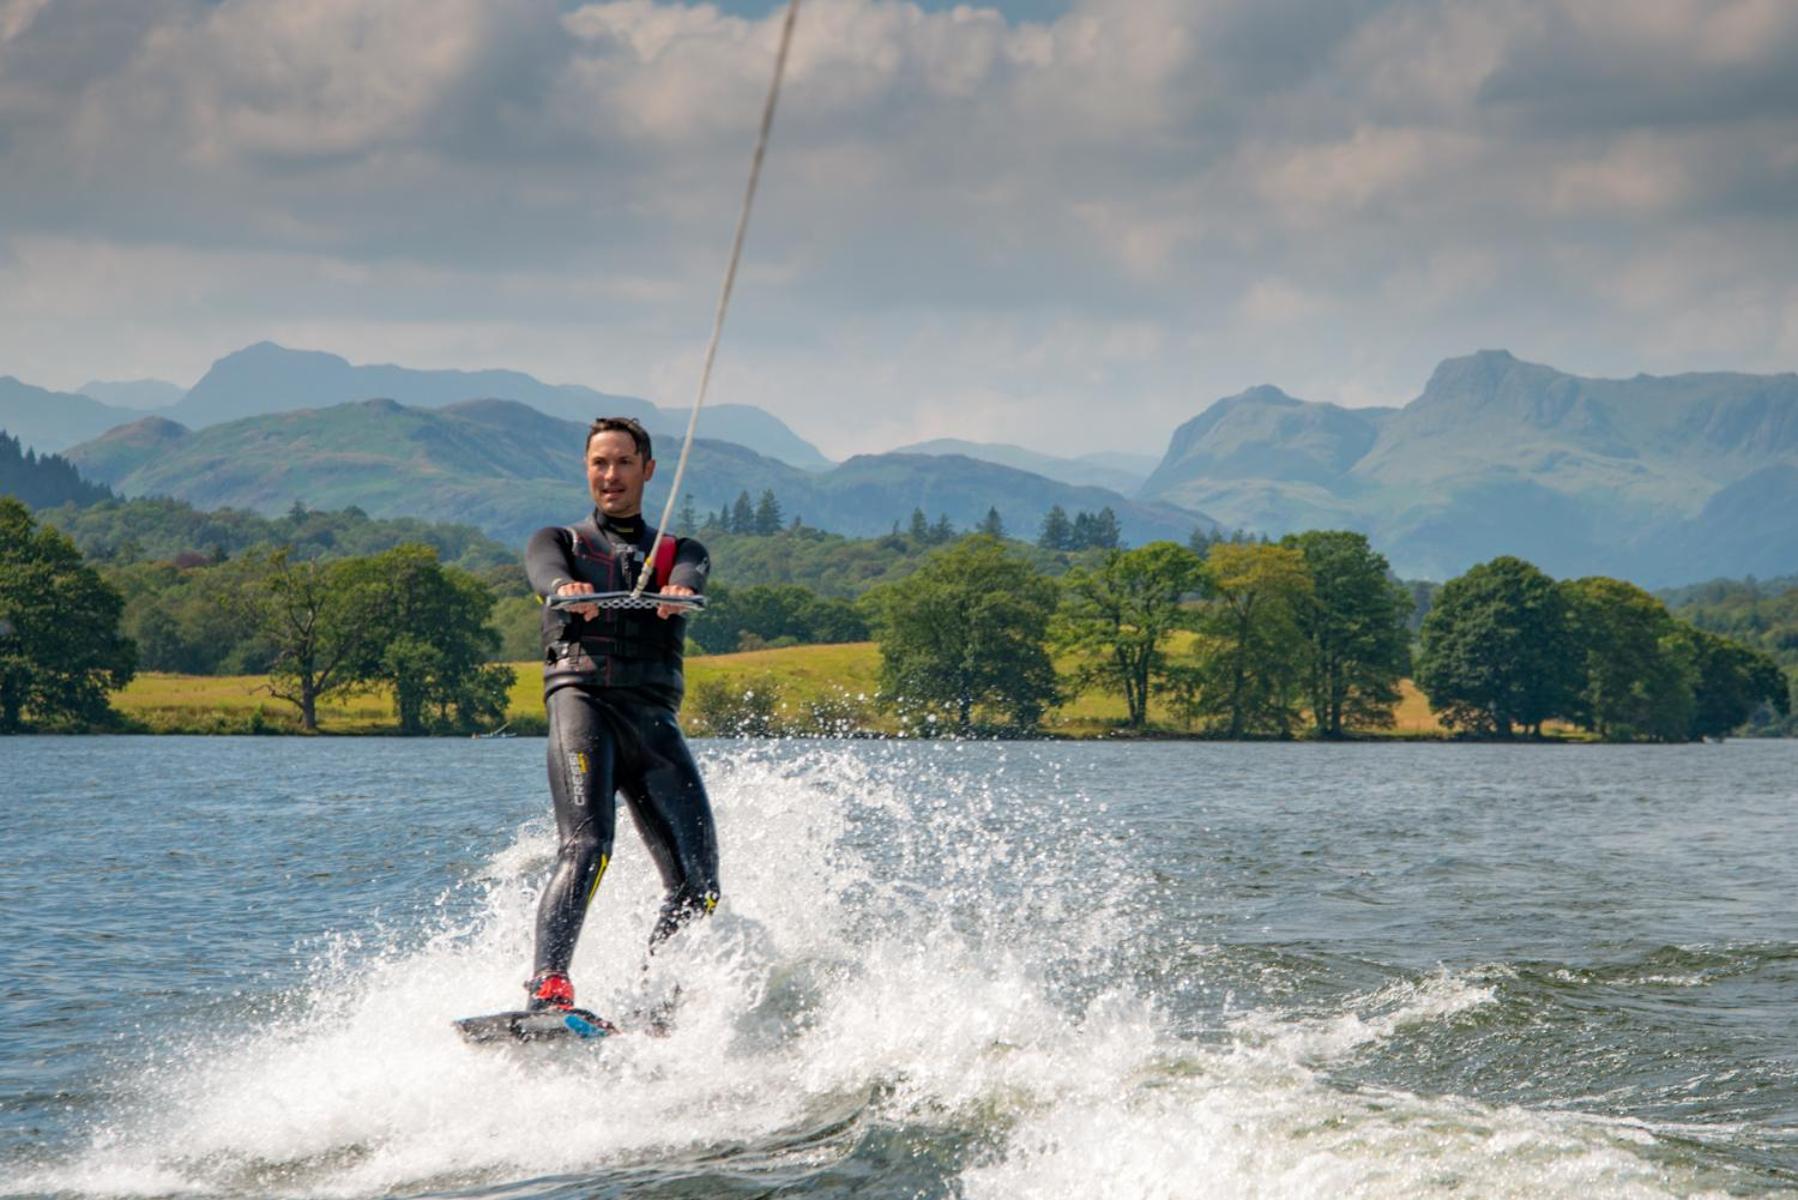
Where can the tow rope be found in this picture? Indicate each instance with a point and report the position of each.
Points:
(730, 279)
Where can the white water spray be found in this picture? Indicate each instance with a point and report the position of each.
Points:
(905, 951)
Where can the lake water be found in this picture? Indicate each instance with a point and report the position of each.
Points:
(228, 967)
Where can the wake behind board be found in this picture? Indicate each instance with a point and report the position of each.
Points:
(545, 1025)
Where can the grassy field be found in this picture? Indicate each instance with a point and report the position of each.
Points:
(803, 681)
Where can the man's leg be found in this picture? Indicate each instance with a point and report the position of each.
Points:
(582, 754)
(669, 804)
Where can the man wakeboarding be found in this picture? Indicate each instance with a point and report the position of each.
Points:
(612, 684)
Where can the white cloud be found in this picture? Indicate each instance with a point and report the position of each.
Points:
(1141, 204)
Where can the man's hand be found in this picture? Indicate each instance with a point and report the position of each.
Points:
(665, 611)
(588, 611)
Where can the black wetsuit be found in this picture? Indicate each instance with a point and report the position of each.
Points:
(611, 685)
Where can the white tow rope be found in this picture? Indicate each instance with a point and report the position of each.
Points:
(730, 279)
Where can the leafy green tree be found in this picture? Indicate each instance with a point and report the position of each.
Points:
(323, 621)
(993, 525)
(1637, 677)
(1252, 650)
(918, 529)
(1057, 532)
(432, 641)
(1497, 652)
(60, 646)
(773, 615)
(1357, 645)
(966, 633)
(185, 616)
(943, 532)
(1122, 613)
(1733, 682)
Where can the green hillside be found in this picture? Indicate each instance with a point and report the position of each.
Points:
(508, 469)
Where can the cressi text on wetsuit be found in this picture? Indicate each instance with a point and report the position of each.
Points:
(611, 685)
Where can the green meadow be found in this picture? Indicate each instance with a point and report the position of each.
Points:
(798, 679)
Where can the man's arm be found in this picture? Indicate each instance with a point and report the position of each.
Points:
(550, 570)
(691, 567)
(687, 577)
(546, 561)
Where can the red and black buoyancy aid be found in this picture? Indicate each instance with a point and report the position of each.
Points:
(620, 646)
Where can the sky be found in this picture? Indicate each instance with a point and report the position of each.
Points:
(1066, 224)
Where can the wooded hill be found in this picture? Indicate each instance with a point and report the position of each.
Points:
(508, 469)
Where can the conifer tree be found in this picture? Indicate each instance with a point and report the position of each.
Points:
(742, 515)
(767, 514)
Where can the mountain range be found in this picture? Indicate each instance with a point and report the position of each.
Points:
(1662, 480)
(1657, 479)
(266, 378)
(509, 469)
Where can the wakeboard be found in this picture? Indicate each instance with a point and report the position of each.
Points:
(544, 1025)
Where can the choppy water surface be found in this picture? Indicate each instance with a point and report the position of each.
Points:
(228, 967)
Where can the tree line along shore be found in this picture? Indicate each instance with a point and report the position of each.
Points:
(152, 616)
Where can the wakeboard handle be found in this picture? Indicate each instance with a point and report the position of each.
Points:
(626, 600)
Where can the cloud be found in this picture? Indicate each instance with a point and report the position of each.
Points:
(1140, 203)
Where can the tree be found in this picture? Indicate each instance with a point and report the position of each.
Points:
(1497, 652)
(919, 528)
(966, 633)
(432, 641)
(1635, 675)
(1733, 681)
(1057, 533)
(768, 517)
(1106, 533)
(773, 614)
(44, 481)
(1124, 612)
(686, 521)
(1357, 644)
(322, 620)
(1253, 652)
(60, 646)
(742, 514)
(943, 532)
(993, 525)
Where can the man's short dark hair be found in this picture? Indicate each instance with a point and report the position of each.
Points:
(628, 425)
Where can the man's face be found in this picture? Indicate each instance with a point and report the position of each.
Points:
(616, 473)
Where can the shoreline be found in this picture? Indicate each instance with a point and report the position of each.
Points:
(823, 692)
